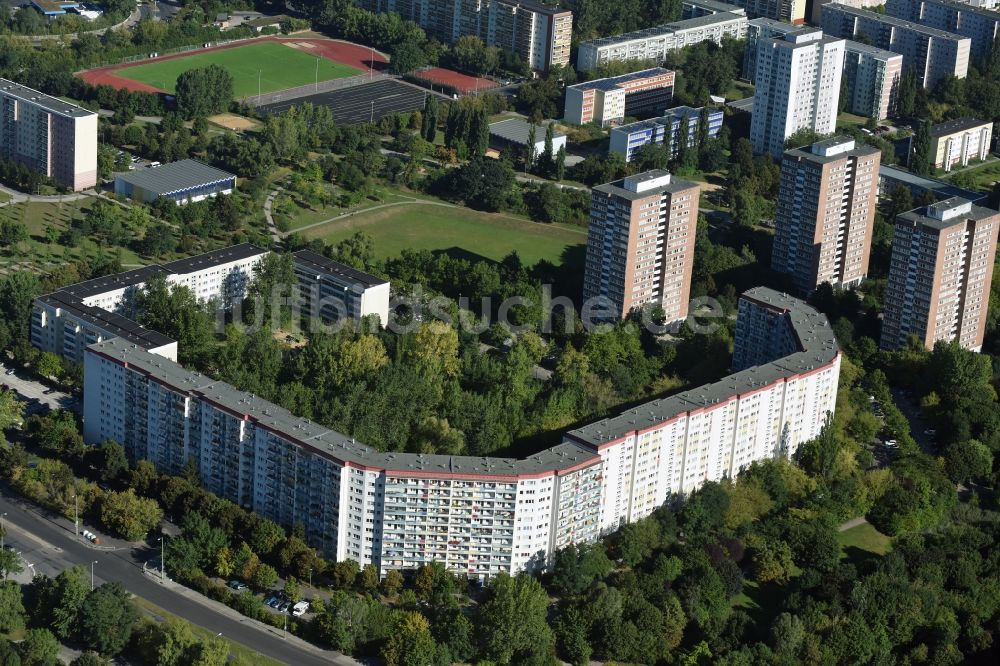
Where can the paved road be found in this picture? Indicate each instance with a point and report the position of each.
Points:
(47, 544)
(34, 392)
(918, 425)
(853, 522)
(272, 228)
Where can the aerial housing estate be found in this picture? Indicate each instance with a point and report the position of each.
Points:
(979, 24)
(45, 134)
(627, 139)
(477, 516)
(541, 34)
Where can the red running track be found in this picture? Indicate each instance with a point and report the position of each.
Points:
(344, 53)
(461, 82)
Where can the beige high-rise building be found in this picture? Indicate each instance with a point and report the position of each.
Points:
(825, 213)
(640, 246)
(940, 274)
(47, 135)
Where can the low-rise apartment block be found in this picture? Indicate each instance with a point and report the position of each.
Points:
(960, 141)
(656, 43)
(640, 244)
(478, 516)
(608, 101)
(940, 275)
(979, 24)
(541, 34)
(334, 291)
(931, 53)
(627, 139)
(825, 213)
(45, 134)
(66, 321)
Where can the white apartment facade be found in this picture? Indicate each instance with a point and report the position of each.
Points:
(797, 87)
(656, 43)
(55, 138)
(980, 24)
(957, 142)
(66, 321)
(333, 291)
(478, 516)
(608, 101)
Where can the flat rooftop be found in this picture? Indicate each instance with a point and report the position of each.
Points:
(518, 131)
(924, 215)
(40, 99)
(818, 347)
(615, 82)
(869, 50)
(940, 188)
(113, 323)
(892, 20)
(950, 127)
(212, 258)
(668, 29)
(108, 283)
(617, 187)
(175, 177)
(304, 432)
(307, 259)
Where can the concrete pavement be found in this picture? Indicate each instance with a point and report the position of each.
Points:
(47, 545)
(34, 391)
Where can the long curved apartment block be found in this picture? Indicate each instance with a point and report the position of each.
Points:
(479, 516)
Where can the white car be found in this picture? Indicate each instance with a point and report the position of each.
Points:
(300, 608)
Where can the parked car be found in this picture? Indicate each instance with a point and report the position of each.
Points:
(237, 585)
(930, 432)
(300, 608)
(283, 608)
(274, 602)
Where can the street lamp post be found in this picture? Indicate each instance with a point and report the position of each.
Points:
(76, 516)
(372, 119)
(163, 560)
(3, 531)
(92, 575)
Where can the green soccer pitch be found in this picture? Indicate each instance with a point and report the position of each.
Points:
(279, 67)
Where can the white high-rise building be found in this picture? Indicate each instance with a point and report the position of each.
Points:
(798, 87)
(479, 516)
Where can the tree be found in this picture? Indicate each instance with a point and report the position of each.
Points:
(293, 590)
(10, 563)
(406, 57)
(264, 577)
(392, 583)
(8, 653)
(39, 648)
(687, 153)
(345, 573)
(511, 621)
(128, 515)
(12, 613)
(59, 600)
(89, 659)
(968, 460)
(106, 619)
(560, 168)
(203, 91)
(429, 120)
(907, 93)
(113, 461)
(411, 644)
(921, 158)
(48, 365)
(435, 345)
(368, 581)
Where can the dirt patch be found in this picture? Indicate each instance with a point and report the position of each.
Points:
(233, 121)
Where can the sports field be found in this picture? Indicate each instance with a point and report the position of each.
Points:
(434, 227)
(279, 65)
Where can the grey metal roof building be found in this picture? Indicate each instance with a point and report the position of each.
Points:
(890, 176)
(515, 130)
(40, 99)
(182, 181)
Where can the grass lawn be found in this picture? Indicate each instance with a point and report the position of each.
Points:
(434, 227)
(241, 652)
(303, 214)
(37, 251)
(864, 537)
(976, 176)
(279, 67)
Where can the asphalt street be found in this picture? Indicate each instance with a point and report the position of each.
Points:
(47, 544)
(34, 392)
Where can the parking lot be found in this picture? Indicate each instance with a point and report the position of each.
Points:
(360, 104)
